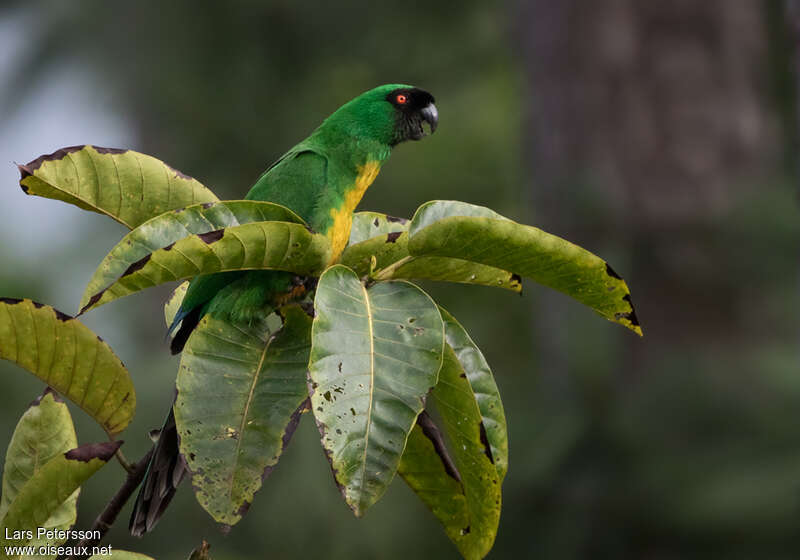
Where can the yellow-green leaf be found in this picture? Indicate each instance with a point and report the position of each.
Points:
(484, 389)
(254, 246)
(173, 304)
(165, 229)
(473, 233)
(455, 476)
(49, 487)
(70, 358)
(44, 431)
(385, 254)
(125, 185)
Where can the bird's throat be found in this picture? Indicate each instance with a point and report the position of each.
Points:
(342, 217)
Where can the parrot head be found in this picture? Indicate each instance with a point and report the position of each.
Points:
(391, 113)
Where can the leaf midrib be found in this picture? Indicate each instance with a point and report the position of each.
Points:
(247, 410)
(371, 394)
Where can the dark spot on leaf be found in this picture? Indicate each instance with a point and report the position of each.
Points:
(630, 315)
(100, 339)
(47, 391)
(395, 219)
(208, 205)
(464, 375)
(62, 316)
(242, 509)
(22, 176)
(94, 299)
(179, 174)
(32, 166)
(338, 431)
(376, 223)
(487, 449)
(412, 319)
(431, 431)
(170, 246)
(10, 301)
(138, 265)
(101, 150)
(353, 411)
(465, 531)
(340, 367)
(191, 456)
(212, 236)
(327, 396)
(89, 451)
(294, 420)
(392, 237)
(338, 390)
(610, 272)
(319, 409)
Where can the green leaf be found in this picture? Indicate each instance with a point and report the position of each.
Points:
(50, 486)
(173, 304)
(44, 431)
(375, 355)
(170, 227)
(241, 391)
(483, 387)
(393, 261)
(120, 555)
(125, 185)
(253, 246)
(477, 234)
(466, 500)
(367, 225)
(70, 358)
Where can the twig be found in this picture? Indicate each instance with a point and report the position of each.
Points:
(124, 461)
(109, 514)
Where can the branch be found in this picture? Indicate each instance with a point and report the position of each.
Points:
(107, 517)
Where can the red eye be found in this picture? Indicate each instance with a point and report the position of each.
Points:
(402, 99)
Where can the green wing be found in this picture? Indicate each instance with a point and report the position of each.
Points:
(298, 181)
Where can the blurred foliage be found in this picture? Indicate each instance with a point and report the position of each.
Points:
(681, 445)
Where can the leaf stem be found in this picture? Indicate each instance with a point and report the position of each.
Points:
(387, 272)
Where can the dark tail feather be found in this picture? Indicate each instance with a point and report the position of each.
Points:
(188, 323)
(165, 472)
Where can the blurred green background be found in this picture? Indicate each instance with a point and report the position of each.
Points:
(660, 135)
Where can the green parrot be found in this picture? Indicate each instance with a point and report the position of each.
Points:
(322, 179)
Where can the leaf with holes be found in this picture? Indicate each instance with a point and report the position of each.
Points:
(44, 431)
(241, 391)
(70, 358)
(375, 354)
(124, 185)
(388, 245)
(473, 233)
(253, 246)
(483, 387)
(367, 225)
(170, 227)
(455, 475)
(51, 486)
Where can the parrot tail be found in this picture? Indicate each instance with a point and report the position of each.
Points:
(165, 472)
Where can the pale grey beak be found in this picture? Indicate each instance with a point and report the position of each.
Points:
(431, 115)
